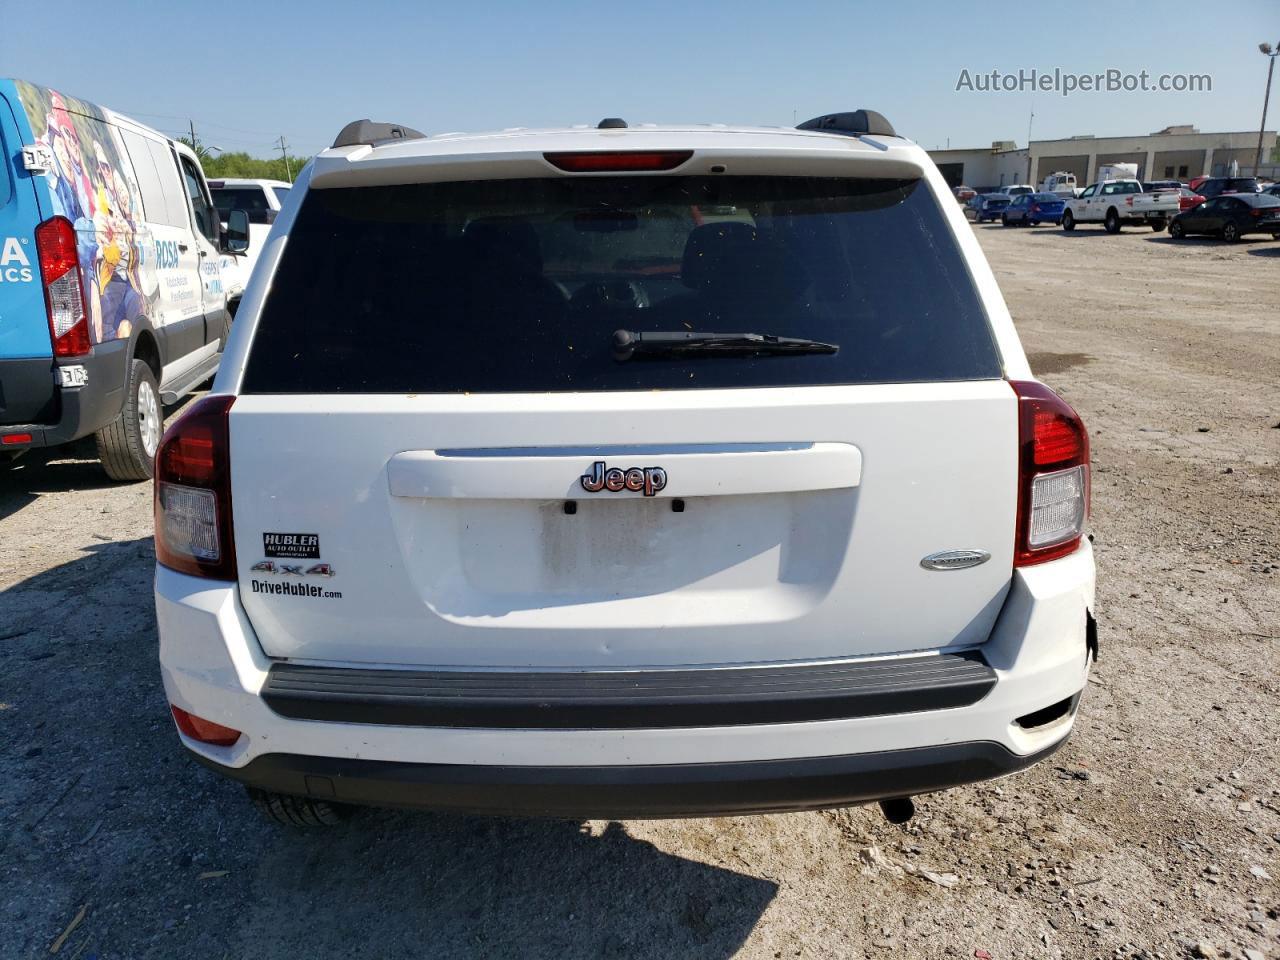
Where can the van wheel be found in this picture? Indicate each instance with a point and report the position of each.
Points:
(1068, 221)
(1231, 233)
(127, 445)
(1112, 221)
(290, 811)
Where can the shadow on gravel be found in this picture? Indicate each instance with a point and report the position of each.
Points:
(1268, 251)
(101, 808)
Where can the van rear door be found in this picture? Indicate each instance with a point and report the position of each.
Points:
(27, 392)
(441, 455)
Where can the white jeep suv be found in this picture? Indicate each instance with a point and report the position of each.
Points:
(622, 472)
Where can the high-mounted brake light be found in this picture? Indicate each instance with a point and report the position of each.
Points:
(206, 731)
(618, 161)
(193, 493)
(1053, 475)
(63, 290)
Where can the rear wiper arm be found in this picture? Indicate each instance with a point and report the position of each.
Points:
(675, 343)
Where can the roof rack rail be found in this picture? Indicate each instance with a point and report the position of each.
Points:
(853, 124)
(372, 134)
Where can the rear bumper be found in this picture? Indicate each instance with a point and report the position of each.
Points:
(213, 666)
(623, 792)
(62, 414)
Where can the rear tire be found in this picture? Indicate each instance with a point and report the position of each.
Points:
(290, 811)
(1231, 233)
(1177, 230)
(1004, 220)
(1158, 226)
(127, 445)
(1068, 221)
(1112, 222)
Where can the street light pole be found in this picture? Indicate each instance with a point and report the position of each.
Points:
(1271, 55)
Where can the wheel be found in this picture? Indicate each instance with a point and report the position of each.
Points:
(290, 811)
(1035, 223)
(1068, 222)
(1158, 226)
(1112, 221)
(1004, 220)
(127, 445)
(1231, 233)
(1177, 230)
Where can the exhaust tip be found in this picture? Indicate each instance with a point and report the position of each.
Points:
(898, 809)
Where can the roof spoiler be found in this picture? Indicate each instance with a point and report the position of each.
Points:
(372, 134)
(853, 124)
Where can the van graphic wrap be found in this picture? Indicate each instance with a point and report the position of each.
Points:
(91, 183)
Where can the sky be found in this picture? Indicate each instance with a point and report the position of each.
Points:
(303, 70)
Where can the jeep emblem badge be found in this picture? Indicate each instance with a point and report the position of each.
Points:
(648, 480)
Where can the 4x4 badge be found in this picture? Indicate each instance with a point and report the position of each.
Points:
(292, 570)
(647, 479)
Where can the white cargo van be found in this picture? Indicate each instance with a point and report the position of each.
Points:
(630, 471)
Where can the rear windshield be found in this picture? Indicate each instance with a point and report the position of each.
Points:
(1047, 198)
(519, 285)
(252, 200)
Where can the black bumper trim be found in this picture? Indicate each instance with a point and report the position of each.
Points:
(81, 410)
(622, 792)
(604, 700)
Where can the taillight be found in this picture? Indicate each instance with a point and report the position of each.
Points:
(624, 161)
(63, 290)
(1053, 475)
(206, 731)
(193, 493)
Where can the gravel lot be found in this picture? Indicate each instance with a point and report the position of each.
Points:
(1154, 833)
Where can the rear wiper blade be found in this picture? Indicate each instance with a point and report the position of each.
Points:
(674, 343)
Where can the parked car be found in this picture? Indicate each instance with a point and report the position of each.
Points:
(1114, 203)
(1016, 189)
(987, 206)
(964, 194)
(115, 278)
(499, 553)
(260, 199)
(1032, 209)
(1230, 217)
(1218, 186)
(1151, 186)
(1188, 198)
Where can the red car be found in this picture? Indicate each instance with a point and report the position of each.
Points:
(1188, 198)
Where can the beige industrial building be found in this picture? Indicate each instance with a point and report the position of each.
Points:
(1180, 152)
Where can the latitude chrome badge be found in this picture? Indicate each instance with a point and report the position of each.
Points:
(955, 559)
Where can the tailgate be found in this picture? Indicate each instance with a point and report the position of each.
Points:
(787, 528)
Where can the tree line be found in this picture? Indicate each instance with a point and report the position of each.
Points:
(240, 164)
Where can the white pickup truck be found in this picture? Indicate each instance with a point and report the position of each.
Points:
(1114, 203)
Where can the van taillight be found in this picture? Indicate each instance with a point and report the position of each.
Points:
(63, 290)
(1053, 475)
(193, 493)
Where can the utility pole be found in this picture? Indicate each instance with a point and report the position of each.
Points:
(284, 152)
(1030, 121)
(195, 144)
(1271, 55)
